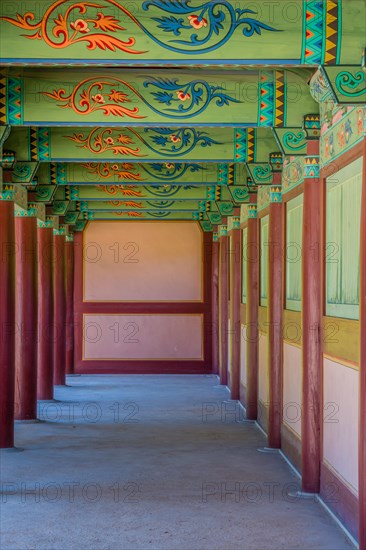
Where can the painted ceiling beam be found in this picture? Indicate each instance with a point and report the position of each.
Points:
(165, 144)
(146, 206)
(236, 194)
(133, 192)
(152, 215)
(150, 173)
(302, 32)
(60, 97)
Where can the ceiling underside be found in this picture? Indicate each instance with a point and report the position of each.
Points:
(165, 109)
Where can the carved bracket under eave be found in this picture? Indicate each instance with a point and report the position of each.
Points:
(344, 85)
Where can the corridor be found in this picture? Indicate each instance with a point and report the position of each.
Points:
(152, 461)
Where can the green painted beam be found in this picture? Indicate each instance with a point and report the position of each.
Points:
(152, 215)
(90, 173)
(269, 97)
(146, 206)
(141, 145)
(202, 32)
(134, 192)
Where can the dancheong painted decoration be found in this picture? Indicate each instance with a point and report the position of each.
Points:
(172, 109)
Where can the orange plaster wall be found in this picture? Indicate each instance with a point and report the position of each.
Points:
(132, 337)
(142, 261)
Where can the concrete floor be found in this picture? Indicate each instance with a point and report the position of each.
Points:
(151, 462)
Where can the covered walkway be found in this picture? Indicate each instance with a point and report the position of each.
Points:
(162, 462)
(182, 239)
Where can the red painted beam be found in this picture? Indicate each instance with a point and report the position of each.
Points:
(26, 306)
(59, 310)
(275, 307)
(7, 324)
(69, 258)
(224, 308)
(311, 323)
(45, 313)
(251, 334)
(362, 409)
(215, 308)
(235, 259)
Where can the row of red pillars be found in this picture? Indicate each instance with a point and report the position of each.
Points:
(311, 320)
(36, 316)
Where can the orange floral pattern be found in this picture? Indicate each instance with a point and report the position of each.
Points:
(93, 94)
(101, 141)
(61, 31)
(125, 190)
(124, 170)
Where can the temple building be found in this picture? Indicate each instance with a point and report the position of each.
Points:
(183, 274)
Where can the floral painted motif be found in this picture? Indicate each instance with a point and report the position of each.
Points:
(331, 145)
(129, 204)
(341, 137)
(168, 171)
(216, 22)
(173, 98)
(348, 131)
(360, 121)
(194, 30)
(174, 138)
(93, 94)
(80, 26)
(100, 141)
(192, 98)
(58, 29)
(163, 141)
(180, 142)
(168, 190)
(293, 172)
(124, 170)
(129, 214)
(125, 190)
(344, 134)
(183, 96)
(197, 22)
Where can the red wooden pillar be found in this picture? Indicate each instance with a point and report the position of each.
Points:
(275, 306)
(7, 323)
(45, 310)
(311, 323)
(224, 302)
(69, 259)
(26, 317)
(235, 301)
(362, 409)
(252, 334)
(215, 304)
(59, 350)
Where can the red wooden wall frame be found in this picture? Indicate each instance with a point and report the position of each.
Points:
(143, 366)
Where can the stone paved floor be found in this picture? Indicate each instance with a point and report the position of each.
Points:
(151, 462)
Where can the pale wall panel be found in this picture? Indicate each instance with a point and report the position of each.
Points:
(154, 336)
(341, 387)
(143, 261)
(292, 387)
